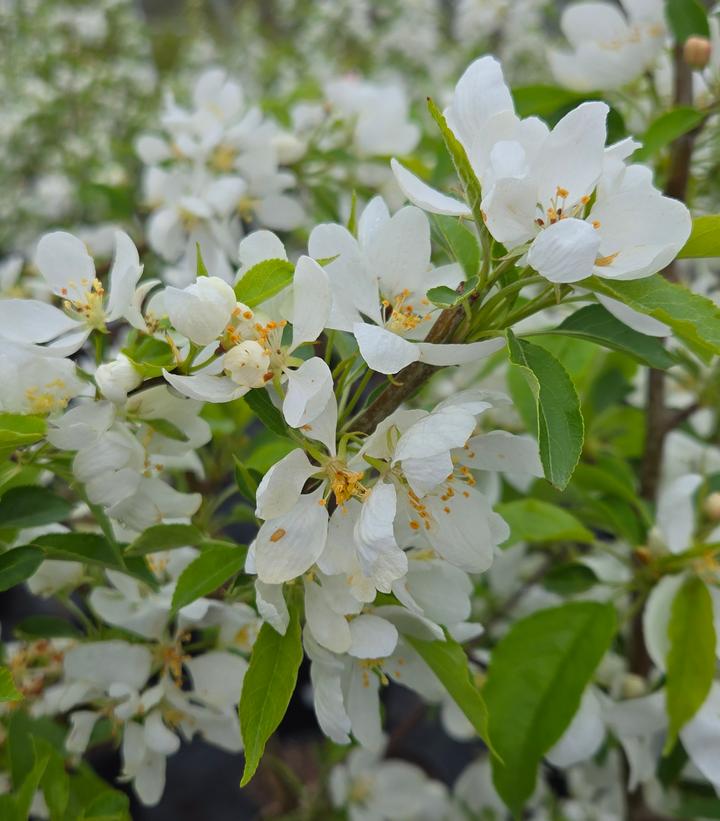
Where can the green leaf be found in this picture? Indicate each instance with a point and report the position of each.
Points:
(17, 431)
(165, 537)
(18, 564)
(247, 480)
(48, 627)
(666, 128)
(569, 579)
(691, 657)
(596, 324)
(543, 101)
(55, 782)
(167, 429)
(461, 242)
(268, 686)
(8, 690)
(448, 661)
(264, 280)
(444, 297)
(538, 673)
(559, 420)
(693, 318)
(212, 568)
(92, 548)
(25, 794)
(704, 240)
(685, 18)
(150, 356)
(464, 170)
(31, 506)
(532, 520)
(263, 408)
(200, 269)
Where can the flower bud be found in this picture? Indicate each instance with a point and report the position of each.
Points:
(711, 506)
(633, 686)
(288, 147)
(696, 51)
(247, 364)
(115, 379)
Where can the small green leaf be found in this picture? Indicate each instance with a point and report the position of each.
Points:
(693, 318)
(559, 420)
(569, 579)
(18, 564)
(200, 269)
(448, 661)
(543, 101)
(167, 429)
(247, 480)
(263, 408)
(538, 673)
(8, 690)
(691, 657)
(704, 240)
(686, 17)
(48, 627)
(31, 506)
(461, 242)
(666, 128)
(268, 686)
(444, 297)
(165, 537)
(532, 520)
(464, 170)
(264, 280)
(596, 324)
(212, 568)
(17, 431)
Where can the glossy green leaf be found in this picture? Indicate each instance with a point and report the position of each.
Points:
(596, 324)
(165, 537)
(49, 627)
(538, 673)
(200, 269)
(691, 657)
(444, 297)
(264, 280)
(17, 565)
(686, 17)
(8, 690)
(267, 413)
(569, 579)
(268, 686)
(532, 520)
(448, 661)
(211, 569)
(704, 240)
(560, 425)
(667, 127)
(693, 318)
(31, 506)
(246, 479)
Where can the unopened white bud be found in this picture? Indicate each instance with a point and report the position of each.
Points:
(711, 506)
(633, 686)
(115, 379)
(247, 364)
(696, 51)
(288, 147)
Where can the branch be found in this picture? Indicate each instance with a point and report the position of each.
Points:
(410, 379)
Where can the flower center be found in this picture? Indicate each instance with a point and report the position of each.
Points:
(402, 316)
(345, 484)
(88, 303)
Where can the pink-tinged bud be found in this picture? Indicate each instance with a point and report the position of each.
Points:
(711, 506)
(696, 51)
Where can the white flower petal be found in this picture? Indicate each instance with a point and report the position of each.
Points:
(450, 354)
(64, 262)
(425, 197)
(289, 545)
(309, 389)
(311, 301)
(206, 388)
(384, 351)
(372, 637)
(676, 512)
(565, 251)
(280, 488)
